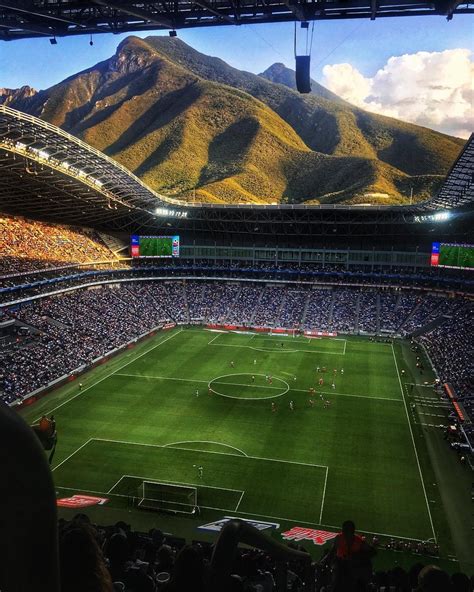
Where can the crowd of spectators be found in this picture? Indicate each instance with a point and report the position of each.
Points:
(29, 245)
(74, 273)
(119, 559)
(451, 349)
(368, 317)
(293, 308)
(267, 311)
(72, 329)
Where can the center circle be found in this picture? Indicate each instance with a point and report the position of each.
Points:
(248, 387)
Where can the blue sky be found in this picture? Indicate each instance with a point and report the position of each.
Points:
(365, 45)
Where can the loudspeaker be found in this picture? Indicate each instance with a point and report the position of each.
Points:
(303, 83)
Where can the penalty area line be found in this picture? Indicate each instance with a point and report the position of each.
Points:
(324, 496)
(72, 454)
(238, 503)
(277, 460)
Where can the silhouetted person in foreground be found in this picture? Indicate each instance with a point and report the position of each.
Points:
(189, 571)
(350, 558)
(82, 565)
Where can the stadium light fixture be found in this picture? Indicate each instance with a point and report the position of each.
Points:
(437, 217)
(441, 216)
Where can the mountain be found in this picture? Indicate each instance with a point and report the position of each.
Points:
(16, 95)
(193, 127)
(280, 74)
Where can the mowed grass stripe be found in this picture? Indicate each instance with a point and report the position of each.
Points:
(296, 390)
(274, 487)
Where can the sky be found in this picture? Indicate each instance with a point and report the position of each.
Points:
(418, 69)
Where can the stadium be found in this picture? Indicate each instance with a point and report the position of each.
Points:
(203, 394)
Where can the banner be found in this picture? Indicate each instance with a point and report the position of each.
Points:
(320, 334)
(219, 524)
(81, 501)
(299, 533)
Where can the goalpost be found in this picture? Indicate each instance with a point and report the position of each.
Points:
(166, 497)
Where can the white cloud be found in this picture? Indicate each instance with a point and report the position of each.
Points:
(434, 89)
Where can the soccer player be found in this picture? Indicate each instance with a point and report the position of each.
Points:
(333, 385)
(311, 391)
(253, 378)
(342, 370)
(232, 365)
(334, 371)
(197, 392)
(318, 369)
(80, 386)
(209, 390)
(311, 403)
(292, 406)
(294, 378)
(321, 381)
(274, 407)
(270, 379)
(255, 362)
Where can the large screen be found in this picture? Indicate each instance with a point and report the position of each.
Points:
(455, 255)
(155, 246)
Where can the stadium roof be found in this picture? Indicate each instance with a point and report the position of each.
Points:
(56, 18)
(458, 188)
(46, 173)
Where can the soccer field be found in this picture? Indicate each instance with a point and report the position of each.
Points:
(153, 418)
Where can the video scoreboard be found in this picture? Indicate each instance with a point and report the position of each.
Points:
(154, 246)
(452, 255)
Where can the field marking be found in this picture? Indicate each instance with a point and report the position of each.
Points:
(72, 454)
(336, 528)
(275, 349)
(290, 462)
(175, 445)
(160, 377)
(172, 482)
(238, 503)
(414, 445)
(324, 496)
(334, 392)
(201, 381)
(345, 345)
(216, 381)
(115, 485)
(215, 337)
(108, 375)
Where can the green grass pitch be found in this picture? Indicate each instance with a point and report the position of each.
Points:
(154, 419)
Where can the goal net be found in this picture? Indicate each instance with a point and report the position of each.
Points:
(166, 497)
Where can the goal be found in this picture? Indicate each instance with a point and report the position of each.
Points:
(167, 497)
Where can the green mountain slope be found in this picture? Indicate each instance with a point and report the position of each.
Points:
(195, 128)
